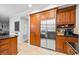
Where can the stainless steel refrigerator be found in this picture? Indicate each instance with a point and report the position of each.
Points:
(48, 33)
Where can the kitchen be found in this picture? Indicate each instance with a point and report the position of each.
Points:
(62, 32)
(13, 28)
(8, 44)
(39, 29)
(54, 29)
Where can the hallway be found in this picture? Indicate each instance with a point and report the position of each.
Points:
(33, 50)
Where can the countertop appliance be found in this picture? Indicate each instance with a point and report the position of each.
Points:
(60, 31)
(68, 32)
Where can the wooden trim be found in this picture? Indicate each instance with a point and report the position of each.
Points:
(70, 7)
(44, 10)
(52, 9)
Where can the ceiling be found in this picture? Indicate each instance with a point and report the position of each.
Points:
(8, 10)
(39, 6)
(13, 9)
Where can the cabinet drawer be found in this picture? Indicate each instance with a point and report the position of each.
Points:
(5, 52)
(4, 41)
(4, 47)
(71, 39)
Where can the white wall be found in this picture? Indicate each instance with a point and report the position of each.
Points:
(77, 24)
(77, 16)
(23, 28)
(12, 27)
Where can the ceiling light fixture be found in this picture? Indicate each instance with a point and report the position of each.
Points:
(30, 5)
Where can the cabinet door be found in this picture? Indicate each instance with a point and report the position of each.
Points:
(67, 17)
(13, 46)
(4, 47)
(63, 17)
(32, 38)
(5, 52)
(52, 14)
(35, 29)
(60, 44)
(70, 15)
(32, 30)
(59, 18)
(72, 21)
(44, 15)
(49, 14)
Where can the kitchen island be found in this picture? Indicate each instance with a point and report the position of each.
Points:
(8, 45)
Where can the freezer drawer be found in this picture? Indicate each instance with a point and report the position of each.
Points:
(43, 42)
(51, 44)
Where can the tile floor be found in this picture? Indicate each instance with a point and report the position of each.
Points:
(34, 50)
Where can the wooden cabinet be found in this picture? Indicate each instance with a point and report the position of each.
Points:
(68, 50)
(66, 16)
(13, 46)
(52, 14)
(71, 39)
(70, 15)
(4, 46)
(5, 52)
(59, 18)
(60, 43)
(8, 46)
(35, 20)
(35, 29)
(49, 14)
(73, 16)
(44, 15)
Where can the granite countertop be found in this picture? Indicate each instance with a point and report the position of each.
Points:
(74, 35)
(7, 36)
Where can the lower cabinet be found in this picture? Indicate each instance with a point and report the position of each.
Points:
(61, 45)
(69, 50)
(35, 29)
(5, 52)
(13, 46)
(8, 46)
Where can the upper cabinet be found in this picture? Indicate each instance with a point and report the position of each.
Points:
(59, 17)
(34, 22)
(66, 15)
(35, 29)
(49, 14)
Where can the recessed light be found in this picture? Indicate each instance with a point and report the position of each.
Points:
(30, 5)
